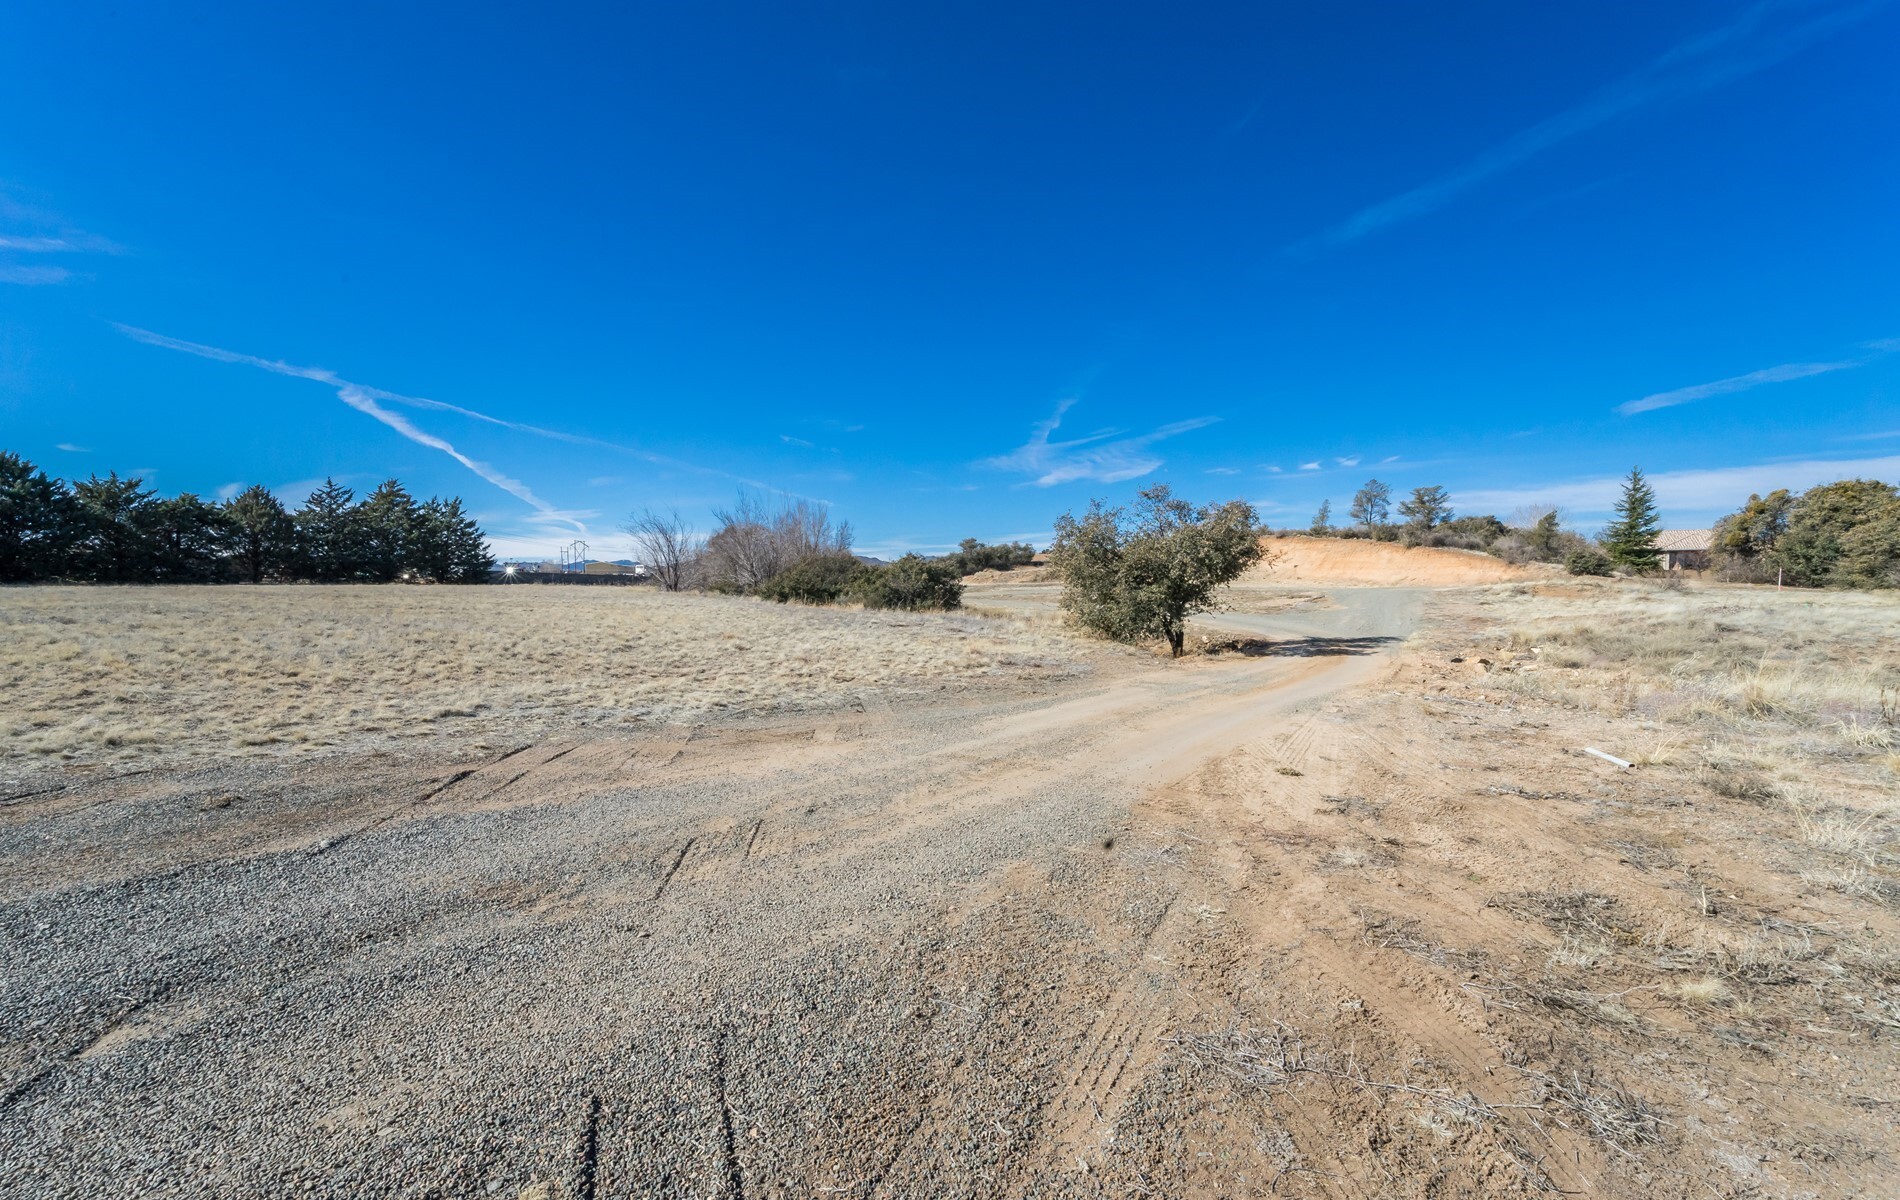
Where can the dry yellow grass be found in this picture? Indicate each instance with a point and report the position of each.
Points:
(106, 674)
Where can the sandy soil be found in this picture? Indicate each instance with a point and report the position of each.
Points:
(1352, 914)
(1352, 562)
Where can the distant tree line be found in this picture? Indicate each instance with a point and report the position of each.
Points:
(1534, 534)
(1844, 534)
(972, 556)
(118, 530)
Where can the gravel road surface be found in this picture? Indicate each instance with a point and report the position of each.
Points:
(885, 953)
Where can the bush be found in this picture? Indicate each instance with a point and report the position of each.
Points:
(814, 579)
(1130, 578)
(1587, 562)
(911, 583)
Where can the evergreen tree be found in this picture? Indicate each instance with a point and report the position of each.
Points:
(37, 519)
(114, 542)
(263, 538)
(189, 540)
(1543, 539)
(1323, 519)
(388, 525)
(329, 535)
(1630, 540)
(1371, 505)
(1841, 534)
(1428, 508)
(451, 546)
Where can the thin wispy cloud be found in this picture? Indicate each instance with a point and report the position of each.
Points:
(1222, 471)
(31, 276)
(365, 399)
(1104, 457)
(44, 234)
(1702, 491)
(69, 448)
(1310, 466)
(1754, 379)
(1757, 39)
(1351, 461)
(800, 442)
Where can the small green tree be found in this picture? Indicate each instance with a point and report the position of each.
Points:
(1371, 506)
(1323, 519)
(1630, 540)
(263, 541)
(1428, 508)
(1544, 538)
(1142, 577)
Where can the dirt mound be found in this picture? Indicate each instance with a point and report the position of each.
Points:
(1351, 561)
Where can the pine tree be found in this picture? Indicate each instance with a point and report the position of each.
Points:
(1428, 508)
(37, 519)
(115, 527)
(1630, 540)
(329, 535)
(1323, 519)
(1371, 505)
(189, 540)
(388, 524)
(451, 547)
(263, 538)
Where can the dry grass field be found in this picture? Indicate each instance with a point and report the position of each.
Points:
(169, 674)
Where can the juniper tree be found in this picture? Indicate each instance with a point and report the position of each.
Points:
(190, 540)
(36, 521)
(263, 541)
(387, 526)
(329, 535)
(1130, 578)
(113, 542)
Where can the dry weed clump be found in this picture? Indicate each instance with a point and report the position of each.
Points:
(104, 674)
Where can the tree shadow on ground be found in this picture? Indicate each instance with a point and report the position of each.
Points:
(1306, 647)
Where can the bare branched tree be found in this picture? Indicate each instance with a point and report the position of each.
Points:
(667, 546)
(758, 537)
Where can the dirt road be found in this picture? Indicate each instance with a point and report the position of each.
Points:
(897, 953)
(1307, 923)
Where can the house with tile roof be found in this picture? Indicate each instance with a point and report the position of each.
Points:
(1685, 549)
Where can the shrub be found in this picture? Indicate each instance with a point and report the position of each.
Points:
(814, 579)
(1141, 578)
(1588, 562)
(912, 583)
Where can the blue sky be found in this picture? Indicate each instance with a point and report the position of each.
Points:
(953, 268)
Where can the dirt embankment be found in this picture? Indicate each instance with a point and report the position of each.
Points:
(1349, 562)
